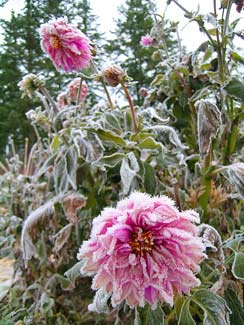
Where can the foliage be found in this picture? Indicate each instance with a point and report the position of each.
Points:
(186, 143)
(125, 46)
(21, 53)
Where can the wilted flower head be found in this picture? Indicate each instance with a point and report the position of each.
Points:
(144, 250)
(113, 75)
(62, 100)
(67, 46)
(146, 40)
(30, 83)
(73, 88)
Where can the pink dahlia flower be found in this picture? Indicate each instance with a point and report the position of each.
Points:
(146, 40)
(144, 250)
(67, 46)
(73, 89)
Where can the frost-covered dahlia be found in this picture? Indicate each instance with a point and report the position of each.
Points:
(66, 45)
(146, 40)
(73, 89)
(144, 250)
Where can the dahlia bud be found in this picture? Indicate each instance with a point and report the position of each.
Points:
(143, 92)
(30, 83)
(113, 75)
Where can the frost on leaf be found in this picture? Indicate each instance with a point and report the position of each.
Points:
(36, 216)
(208, 124)
(100, 302)
(129, 169)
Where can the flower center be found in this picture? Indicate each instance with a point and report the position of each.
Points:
(141, 242)
(55, 42)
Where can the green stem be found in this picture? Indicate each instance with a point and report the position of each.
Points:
(206, 181)
(227, 17)
(133, 114)
(79, 92)
(219, 48)
(46, 93)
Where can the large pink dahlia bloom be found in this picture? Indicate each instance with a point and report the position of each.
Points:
(144, 250)
(66, 45)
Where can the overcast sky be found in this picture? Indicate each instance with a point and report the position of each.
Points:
(106, 10)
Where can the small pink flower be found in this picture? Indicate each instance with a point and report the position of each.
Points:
(146, 40)
(239, 5)
(73, 89)
(67, 46)
(62, 100)
(144, 250)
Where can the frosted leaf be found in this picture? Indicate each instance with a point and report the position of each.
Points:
(208, 124)
(128, 171)
(212, 241)
(236, 176)
(166, 134)
(100, 302)
(36, 216)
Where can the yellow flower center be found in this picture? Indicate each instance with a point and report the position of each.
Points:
(55, 42)
(141, 242)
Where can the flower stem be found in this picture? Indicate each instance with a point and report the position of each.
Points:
(104, 85)
(182, 8)
(49, 97)
(227, 17)
(133, 114)
(79, 92)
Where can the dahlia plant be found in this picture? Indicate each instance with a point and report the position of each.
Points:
(149, 199)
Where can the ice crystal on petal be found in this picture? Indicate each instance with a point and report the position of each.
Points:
(66, 45)
(144, 250)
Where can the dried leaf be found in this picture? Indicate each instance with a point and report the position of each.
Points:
(208, 124)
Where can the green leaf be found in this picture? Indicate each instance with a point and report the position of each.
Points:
(147, 316)
(149, 179)
(237, 316)
(73, 273)
(157, 80)
(58, 279)
(185, 315)
(216, 311)
(237, 58)
(238, 266)
(149, 143)
(235, 88)
(112, 160)
(109, 136)
(55, 143)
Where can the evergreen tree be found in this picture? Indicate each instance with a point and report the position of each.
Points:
(21, 53)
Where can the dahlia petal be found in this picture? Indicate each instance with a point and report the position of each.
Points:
(144, 250)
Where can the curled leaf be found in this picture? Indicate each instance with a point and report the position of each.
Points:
(208, 124)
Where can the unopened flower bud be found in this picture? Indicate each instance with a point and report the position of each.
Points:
(30, 83)
(143, 92)
(113, 75)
